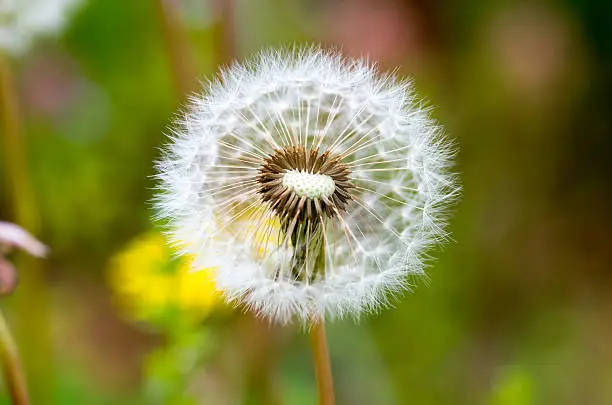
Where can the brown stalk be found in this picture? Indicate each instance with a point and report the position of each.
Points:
(323, 372)
(224, 35)
(11, 366)
(182, 63)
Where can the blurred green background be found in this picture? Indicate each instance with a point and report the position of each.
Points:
(518, 310)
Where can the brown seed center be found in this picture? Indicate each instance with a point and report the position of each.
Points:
(288, 202)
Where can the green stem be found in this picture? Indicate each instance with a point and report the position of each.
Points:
(32, 310)
(14, 154)
(11, 366)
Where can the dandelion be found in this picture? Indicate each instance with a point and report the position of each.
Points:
(23, 20)
(313, 183)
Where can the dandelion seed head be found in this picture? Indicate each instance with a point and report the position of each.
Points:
(316, 184)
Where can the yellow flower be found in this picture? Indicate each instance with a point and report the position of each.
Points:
(148, 281)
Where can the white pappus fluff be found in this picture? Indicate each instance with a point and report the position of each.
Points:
(288, 242)
(23, 20)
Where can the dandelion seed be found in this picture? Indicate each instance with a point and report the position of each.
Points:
(314, 184)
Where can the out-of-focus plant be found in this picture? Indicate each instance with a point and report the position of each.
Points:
(21, 21)
(514, 386)
(155, 287)
(13, 236)
(171, 368)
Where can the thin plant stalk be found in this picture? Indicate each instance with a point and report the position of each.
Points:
(182, 63)
(14, 154)
(31, 331)
(323, 372)
(223, 32)
(11, 366)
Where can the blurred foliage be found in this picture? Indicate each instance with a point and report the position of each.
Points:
(518, 308)
(513, 387)
(171, 369)
(155, 287)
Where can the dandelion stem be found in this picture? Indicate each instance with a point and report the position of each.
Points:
(325, 383)
(11, 366)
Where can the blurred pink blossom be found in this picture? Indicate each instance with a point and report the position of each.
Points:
(8, 277)
(51, 83)
(13, 236)
(531, 46)
(387, 31)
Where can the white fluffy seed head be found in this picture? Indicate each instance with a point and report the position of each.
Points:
(309, 185)
(21, 21)
(288, 244)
